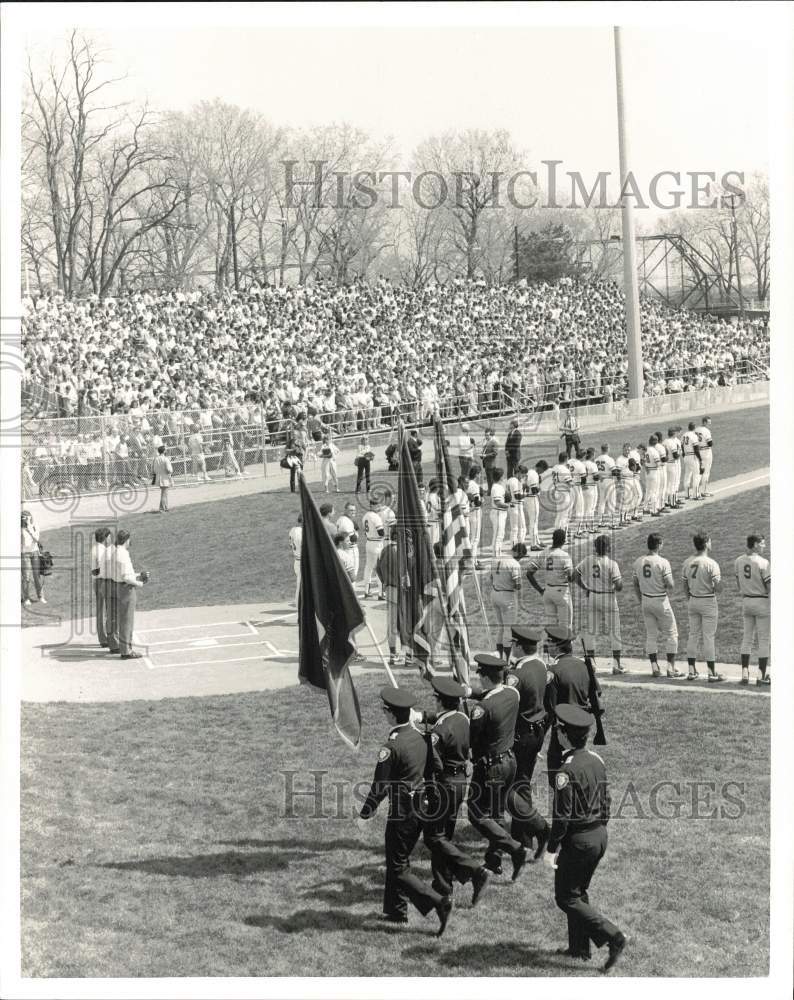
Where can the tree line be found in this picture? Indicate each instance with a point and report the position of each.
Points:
(117, 197)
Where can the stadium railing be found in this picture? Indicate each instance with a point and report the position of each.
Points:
(96, 453)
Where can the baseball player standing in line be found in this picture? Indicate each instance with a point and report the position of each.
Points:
(651, 463)
(561, 492)
(532, 503)
(375, 533)
(295, 543)
(672, 447)
(693, 464)
(661, 451)
(474, 494)
(702, 582)
(498, 512)
(590, 491)
(515, 511)
(607, 488)
(653, 583)
(754, 580)
(636, 459)
(624, 486)
(558, 568)
(600, 578)
(346, 525)
(578, 475)
(706, 453)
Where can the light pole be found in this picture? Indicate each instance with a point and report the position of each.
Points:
(730, 199)
(633, 338)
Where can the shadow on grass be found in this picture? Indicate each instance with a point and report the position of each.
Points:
(485, 959)
(208, 865)
(344, 891)
(309, 846)
(330, 921)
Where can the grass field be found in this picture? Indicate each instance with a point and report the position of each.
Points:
(236, 552)
(155, 843)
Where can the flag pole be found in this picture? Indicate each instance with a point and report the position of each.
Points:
(382, 655)
(478, 590)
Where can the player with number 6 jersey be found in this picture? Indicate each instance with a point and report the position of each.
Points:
(653, 583)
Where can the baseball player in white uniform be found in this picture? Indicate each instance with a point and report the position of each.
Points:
(560, 493)
(374, 533)
(433, 505)
(635, 464)
(600, 578)
(607, 488)
(558, 568)
(346, 525)
(661, 451)
(499, 508)
(295, 542)
(693, 465)
(532, 504)
(754, 580)
(578, 475)
(702, 582)
(474, 494)
(589, 492)
(653, 583)
(672, 447)
(706, 453)
(515, 511)
(652, 473)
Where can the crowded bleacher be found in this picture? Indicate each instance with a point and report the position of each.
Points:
(367, 346)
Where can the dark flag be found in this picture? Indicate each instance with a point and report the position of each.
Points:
(455, 551)
(328, 616)
(418, 584)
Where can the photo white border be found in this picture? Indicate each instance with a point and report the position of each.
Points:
(775, 19)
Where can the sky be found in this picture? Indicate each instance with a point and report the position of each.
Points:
(553, 88)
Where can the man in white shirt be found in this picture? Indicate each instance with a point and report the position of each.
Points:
(560, 493)
(127, 582)
(531, 482)
(198, 461)
(328, 453)
(465, 445)
(99, 571)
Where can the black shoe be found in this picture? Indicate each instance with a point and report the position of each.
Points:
(131, 656)
(494, 864)
(519, 860)
(616, 948)
(114, 650)
(543, 839)
(479, 881)
(443, 910)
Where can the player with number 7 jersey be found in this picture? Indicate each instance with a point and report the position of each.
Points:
(702, 582)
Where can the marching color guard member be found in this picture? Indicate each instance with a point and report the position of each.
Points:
(295, 543)
(579, 834)
(400, 773)
(449, 741)
(493, 725)
(528, 676)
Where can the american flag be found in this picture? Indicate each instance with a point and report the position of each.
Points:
(455, 552)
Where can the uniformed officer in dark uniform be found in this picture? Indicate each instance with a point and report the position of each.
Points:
(449, 740)
(493, 724)
(579, 833)
(569, 684)
(528, 676)
(400, 773)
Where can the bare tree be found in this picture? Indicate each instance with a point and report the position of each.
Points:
(754, 235)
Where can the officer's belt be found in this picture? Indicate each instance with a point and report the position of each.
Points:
(701, 597)
(454, 768)
(574, 827)
(493, 758)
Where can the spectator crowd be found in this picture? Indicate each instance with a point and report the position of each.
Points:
(172, 365)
